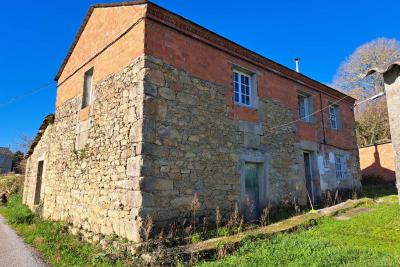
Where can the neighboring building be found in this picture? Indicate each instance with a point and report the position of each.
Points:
(6, 157)
(377, 161)
(152, 108)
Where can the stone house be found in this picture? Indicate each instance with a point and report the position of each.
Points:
(6, 157)
(152, 108)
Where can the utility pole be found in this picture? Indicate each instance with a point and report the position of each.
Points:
(391, 77)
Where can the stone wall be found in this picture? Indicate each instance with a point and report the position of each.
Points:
(92, 167)
(40, 153)
(192, 146)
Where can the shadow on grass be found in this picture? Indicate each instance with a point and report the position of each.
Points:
(378, 190)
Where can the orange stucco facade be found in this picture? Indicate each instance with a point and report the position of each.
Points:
(378, 160)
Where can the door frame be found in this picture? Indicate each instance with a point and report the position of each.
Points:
(263, 161)
(311, 166)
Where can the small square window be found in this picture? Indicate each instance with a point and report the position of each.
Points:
(87, 88)
(242, 88)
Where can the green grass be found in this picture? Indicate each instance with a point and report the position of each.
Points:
(367, 239)
(52, 240)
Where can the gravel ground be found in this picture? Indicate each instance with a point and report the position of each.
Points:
(14, 252)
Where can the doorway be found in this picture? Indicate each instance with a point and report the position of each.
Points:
(308, 170)
(252, 192)
(38, 182)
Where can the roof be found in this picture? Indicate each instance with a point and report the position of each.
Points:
(49, 119)
(5, 151)
(84, 23)
(200, 33)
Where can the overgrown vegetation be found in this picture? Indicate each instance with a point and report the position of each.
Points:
(326, 242)
(52, 240)
(367, 239)
(11, 184)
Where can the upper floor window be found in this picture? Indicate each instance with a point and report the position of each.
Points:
(334, 116)
(305, 107)
(242, 88)
(340, 167)
(87, 88)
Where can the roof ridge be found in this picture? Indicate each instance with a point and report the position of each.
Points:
(84, 23)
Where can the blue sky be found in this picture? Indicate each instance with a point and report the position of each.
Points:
(36, 35)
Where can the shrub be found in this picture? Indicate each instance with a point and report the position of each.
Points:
(11, 184)
(17, 212)
(196, 238)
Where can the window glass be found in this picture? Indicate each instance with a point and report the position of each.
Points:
(242, 88)
(340, 167)
(304, 103)
(333, 110)
(87, 88)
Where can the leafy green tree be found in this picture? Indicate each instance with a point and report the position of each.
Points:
(18, 163)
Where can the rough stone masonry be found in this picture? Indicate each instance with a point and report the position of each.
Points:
(162, 126)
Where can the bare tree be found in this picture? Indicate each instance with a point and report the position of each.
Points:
(24, 143)
(378, 52)
(372, 117)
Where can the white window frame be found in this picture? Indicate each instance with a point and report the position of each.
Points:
(340, 167)
(307, 106)
(242, 95)
(333, 116)
(87, 88)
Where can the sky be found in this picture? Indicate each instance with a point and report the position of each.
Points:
(36, 35)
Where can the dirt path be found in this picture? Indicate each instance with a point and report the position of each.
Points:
(14, 252)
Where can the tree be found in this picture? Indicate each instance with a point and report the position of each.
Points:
(24, 143)
(372, 117)
(18, 163)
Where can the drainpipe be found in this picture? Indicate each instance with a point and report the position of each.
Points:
(322, 118)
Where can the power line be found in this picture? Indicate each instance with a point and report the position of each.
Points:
(32, 92)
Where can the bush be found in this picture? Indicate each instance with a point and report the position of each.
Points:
(17, 212)
(11, 184)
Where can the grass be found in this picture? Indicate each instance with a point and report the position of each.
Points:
(52, 240)
(367, 239)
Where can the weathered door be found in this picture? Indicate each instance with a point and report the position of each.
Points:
(252, 193)
(38, 182)
(308, 174)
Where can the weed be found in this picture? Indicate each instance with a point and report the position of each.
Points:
(195, 206)
(196, 237)
(19, 213)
